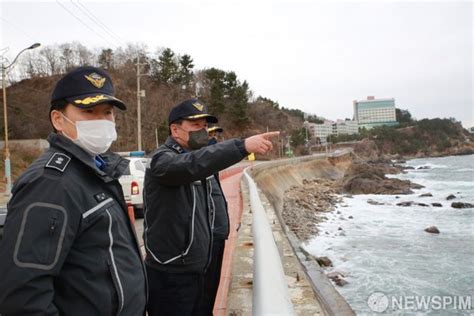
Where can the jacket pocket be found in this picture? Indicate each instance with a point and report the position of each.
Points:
(40, 239)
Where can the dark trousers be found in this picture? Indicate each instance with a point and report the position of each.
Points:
(212, 278)
(173, 293)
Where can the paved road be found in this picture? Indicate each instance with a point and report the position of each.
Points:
(139, 230)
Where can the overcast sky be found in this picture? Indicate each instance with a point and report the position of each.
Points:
(316, 56)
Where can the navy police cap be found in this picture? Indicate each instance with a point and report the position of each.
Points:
(217, 129)
(86, 87)
(190, 110)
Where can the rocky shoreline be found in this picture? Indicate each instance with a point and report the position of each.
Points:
(305, 206)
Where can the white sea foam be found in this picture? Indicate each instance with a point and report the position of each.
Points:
(385, 248)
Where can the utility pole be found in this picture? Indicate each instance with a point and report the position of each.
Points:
(279, 146)
(5, 126)
(7, 165)
(140, 94)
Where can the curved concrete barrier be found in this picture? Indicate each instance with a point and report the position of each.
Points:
(274, 178)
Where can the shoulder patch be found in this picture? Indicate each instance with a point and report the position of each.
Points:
(58, 161)
(100, 197)
(177, 148)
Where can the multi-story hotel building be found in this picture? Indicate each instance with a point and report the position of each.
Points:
(375, 112)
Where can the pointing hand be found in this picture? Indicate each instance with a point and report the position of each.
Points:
(260, 143)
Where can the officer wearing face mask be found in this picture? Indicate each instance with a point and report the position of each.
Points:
(214, 132)
(69, 247)
(179, 218)
(220, 232)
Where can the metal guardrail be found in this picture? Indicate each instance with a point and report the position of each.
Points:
(330, 299)
(270, 289)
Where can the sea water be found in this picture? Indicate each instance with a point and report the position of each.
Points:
(392, 265)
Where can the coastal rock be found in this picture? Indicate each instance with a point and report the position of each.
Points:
(365, 178)
(372, 202)
(451, 197)
(305, 206)
(423, 168)
(437, 204)
(432, 230)
(335, 274)
(462, 205)
(351, 217)
(339, 280)
(324, 261)
(407, 203)
(416, 186)
(366, 149)
(409, 168)
(426, 195)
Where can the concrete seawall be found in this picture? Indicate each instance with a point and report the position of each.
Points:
(273, 179)
(276, 177)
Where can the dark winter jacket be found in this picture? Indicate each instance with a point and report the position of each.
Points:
(69, 247)
(178, 216)
(220, 225)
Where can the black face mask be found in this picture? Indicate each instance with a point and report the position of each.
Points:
(198, 139)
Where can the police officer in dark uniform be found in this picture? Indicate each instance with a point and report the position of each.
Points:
(220, 233)
(178, 217)
(69, 247)
(214, 133)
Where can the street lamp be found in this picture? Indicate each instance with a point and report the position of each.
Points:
(7, 152)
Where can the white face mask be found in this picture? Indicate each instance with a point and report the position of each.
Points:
(94, 136)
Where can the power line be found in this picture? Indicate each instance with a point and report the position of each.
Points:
(17, 28)
(77, 18)
(96, 20)
(92, 18)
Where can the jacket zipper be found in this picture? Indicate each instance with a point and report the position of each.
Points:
(209, 189)
(114, 266)
(123, 205)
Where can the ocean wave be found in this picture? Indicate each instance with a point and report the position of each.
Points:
(464, 170)
(385, 248)
(428, 166)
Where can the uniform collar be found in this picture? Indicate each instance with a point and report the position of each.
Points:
(173, 144)
(114, 164)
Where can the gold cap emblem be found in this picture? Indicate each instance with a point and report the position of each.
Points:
(97, 80)
(198, 106)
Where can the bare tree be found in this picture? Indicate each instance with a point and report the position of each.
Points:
(106, 59)
(51, 57)
(67, 57)
(33, 65)
(85, 57)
